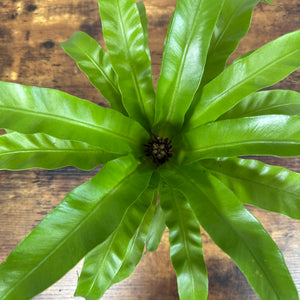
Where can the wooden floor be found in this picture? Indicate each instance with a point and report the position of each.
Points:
(30, 32)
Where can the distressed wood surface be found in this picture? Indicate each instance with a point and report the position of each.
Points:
(30, 32)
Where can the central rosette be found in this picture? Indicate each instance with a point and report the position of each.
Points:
(159, 149)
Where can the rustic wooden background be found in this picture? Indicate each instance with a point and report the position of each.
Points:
(30, 32)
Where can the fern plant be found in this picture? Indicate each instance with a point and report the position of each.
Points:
(171, 156)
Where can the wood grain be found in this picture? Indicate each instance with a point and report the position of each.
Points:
(30, 33)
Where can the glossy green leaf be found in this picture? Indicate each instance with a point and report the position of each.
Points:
(86, 218)
(235, 230)
(135, 250)
(266, 103)
(156, 230)
(183, 61)
(137, 244)
(263, 135)
(125, 40)
(142, 11)
(269, 187)
(94, 61)
(32, 109)
(104, 262)
(26, 151)
(232, 26)
(261, 69)
(186, 245)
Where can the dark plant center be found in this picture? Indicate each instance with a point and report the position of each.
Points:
(159, 149)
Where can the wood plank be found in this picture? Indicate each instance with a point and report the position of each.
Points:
(30, 33)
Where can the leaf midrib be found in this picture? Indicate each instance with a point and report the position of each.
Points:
(237, 233)
(76, 228)
(233, 144)
(133, 73)
(267, 107)
(186, 247)
(111, 242)
(132, 243)
(220, 37)
(103, 259)
(75, 122)
(226, 92)
(242, 179)
(111, 83)
(51, 150)
(180, 71)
